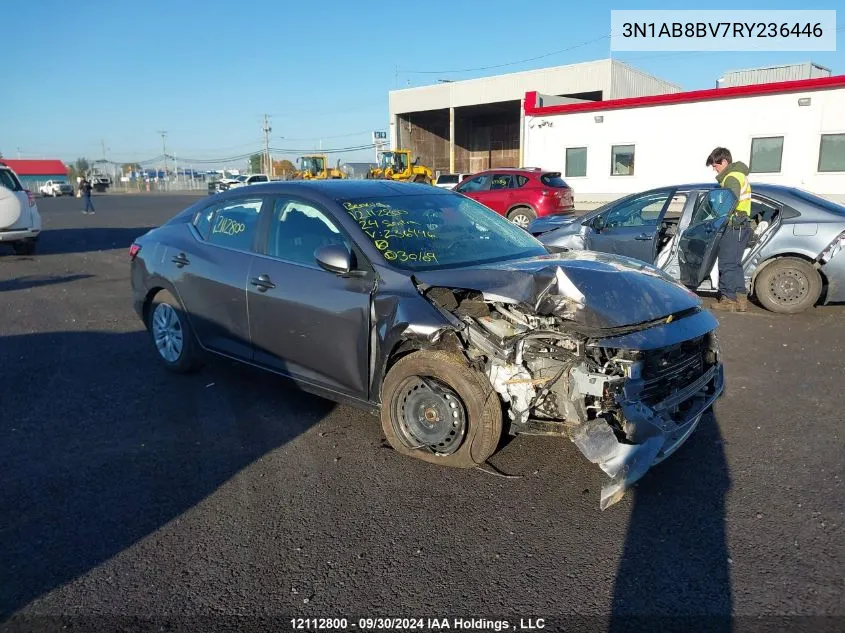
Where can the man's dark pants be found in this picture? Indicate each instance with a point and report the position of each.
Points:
(90, 207)
(731, 248)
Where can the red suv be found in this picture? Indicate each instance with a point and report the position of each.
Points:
(521, 195)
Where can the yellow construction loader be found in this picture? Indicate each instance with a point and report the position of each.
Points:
(316, 167)
(397, 165)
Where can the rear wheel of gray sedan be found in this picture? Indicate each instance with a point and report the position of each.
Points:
(171, 334)
(437, 409)
(788, 285)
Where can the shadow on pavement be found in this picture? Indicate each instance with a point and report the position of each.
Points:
(86, 240)
(24, 283)
(673, 577)
(105, 447)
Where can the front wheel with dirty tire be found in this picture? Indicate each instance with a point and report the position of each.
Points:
(438, 409)
(522, 216)
(788, 285)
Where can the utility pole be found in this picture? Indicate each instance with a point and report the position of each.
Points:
(268, 164)
(164, 152)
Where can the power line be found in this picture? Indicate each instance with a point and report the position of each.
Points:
(514, 63)
(311, 138)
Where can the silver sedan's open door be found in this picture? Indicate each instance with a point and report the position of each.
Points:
(699, 242)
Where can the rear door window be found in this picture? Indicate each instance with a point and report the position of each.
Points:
(501, 181)
(9, 180)
(231, 224)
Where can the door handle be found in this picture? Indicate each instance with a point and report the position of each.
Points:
(180, 260)
(644, 236)
(262, 282)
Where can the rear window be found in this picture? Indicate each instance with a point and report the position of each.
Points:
(824, 203)
(9, 180)
(448, 179)
(553, 180)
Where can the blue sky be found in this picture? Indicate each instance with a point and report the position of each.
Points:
(206, 72)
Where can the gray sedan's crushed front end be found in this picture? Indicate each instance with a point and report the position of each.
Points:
(609, 353)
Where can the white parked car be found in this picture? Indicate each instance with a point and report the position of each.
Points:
(243, 181)
(20, 222)
(449, 181)
(56, 188)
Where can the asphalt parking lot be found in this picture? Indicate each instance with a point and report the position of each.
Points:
(126, 491)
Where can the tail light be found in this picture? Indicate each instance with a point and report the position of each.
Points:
(134, 250)
(30, 197)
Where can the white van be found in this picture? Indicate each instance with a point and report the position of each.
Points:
(449, 181)
(20, 222)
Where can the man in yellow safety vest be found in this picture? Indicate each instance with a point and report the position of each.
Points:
(734, 176)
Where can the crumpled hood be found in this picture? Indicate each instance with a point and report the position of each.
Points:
(595, 290)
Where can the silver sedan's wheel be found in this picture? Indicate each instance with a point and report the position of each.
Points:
(788, 286)
(167, 333)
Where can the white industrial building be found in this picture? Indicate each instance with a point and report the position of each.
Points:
(788, 132)
(476, 124)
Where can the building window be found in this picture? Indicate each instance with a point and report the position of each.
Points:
(576, 162)
(622, 160)
(832, 152)
(766, 155)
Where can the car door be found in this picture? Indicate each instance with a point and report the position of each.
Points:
(630, 228)
(307, 322)
(475, 188)
(499, 193)
(209, 270)
(699, 243)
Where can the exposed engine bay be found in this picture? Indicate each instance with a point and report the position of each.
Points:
(626, 409)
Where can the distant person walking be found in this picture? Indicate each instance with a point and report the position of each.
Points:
(85, 187)
(734, 176)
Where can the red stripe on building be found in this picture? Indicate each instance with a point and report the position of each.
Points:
(25, 167)
(711, 94)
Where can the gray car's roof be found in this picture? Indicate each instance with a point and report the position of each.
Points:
(340, 189)
(756, 186)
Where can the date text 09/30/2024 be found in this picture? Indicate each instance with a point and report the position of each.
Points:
(465, 625)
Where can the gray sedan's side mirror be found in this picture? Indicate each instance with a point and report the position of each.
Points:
(335, 258)
(598, 223)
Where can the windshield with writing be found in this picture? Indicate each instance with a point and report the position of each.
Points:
(427, 232)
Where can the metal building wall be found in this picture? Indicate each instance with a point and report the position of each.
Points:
(772, 74)
(427, 136)
(627, 81)
(486, 143)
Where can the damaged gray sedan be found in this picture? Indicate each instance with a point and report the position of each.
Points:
(437, 314)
